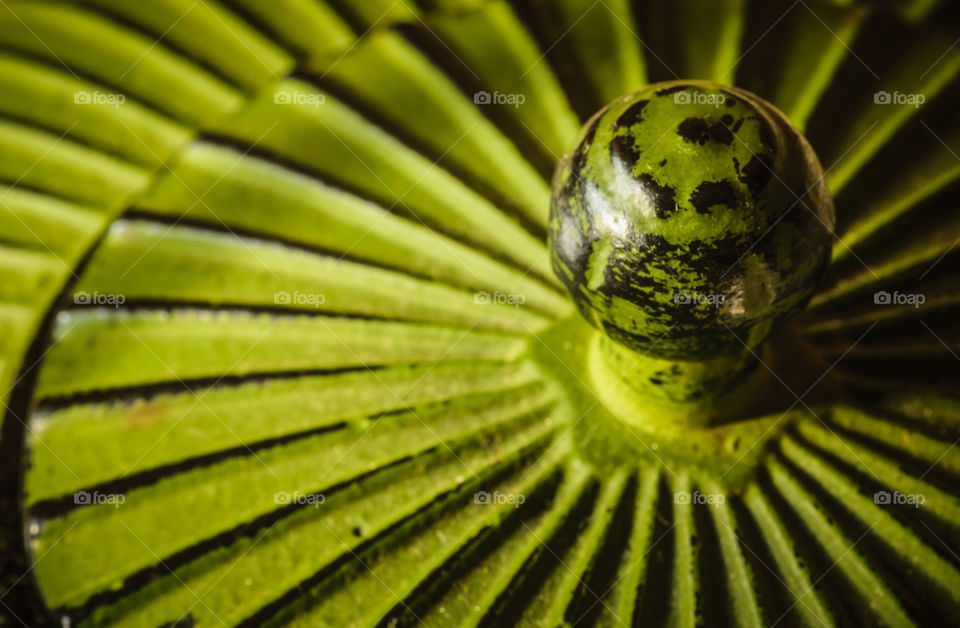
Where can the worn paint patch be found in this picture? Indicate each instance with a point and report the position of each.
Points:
(596, 269)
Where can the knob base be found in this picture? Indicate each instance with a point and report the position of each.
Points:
(662, 393)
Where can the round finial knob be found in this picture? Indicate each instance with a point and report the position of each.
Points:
(691, 218)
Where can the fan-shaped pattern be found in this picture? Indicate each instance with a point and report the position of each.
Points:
(291, 300)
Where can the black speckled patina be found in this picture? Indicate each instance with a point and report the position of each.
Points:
(670, 230)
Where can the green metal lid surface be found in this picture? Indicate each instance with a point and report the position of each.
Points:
(408, 312)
